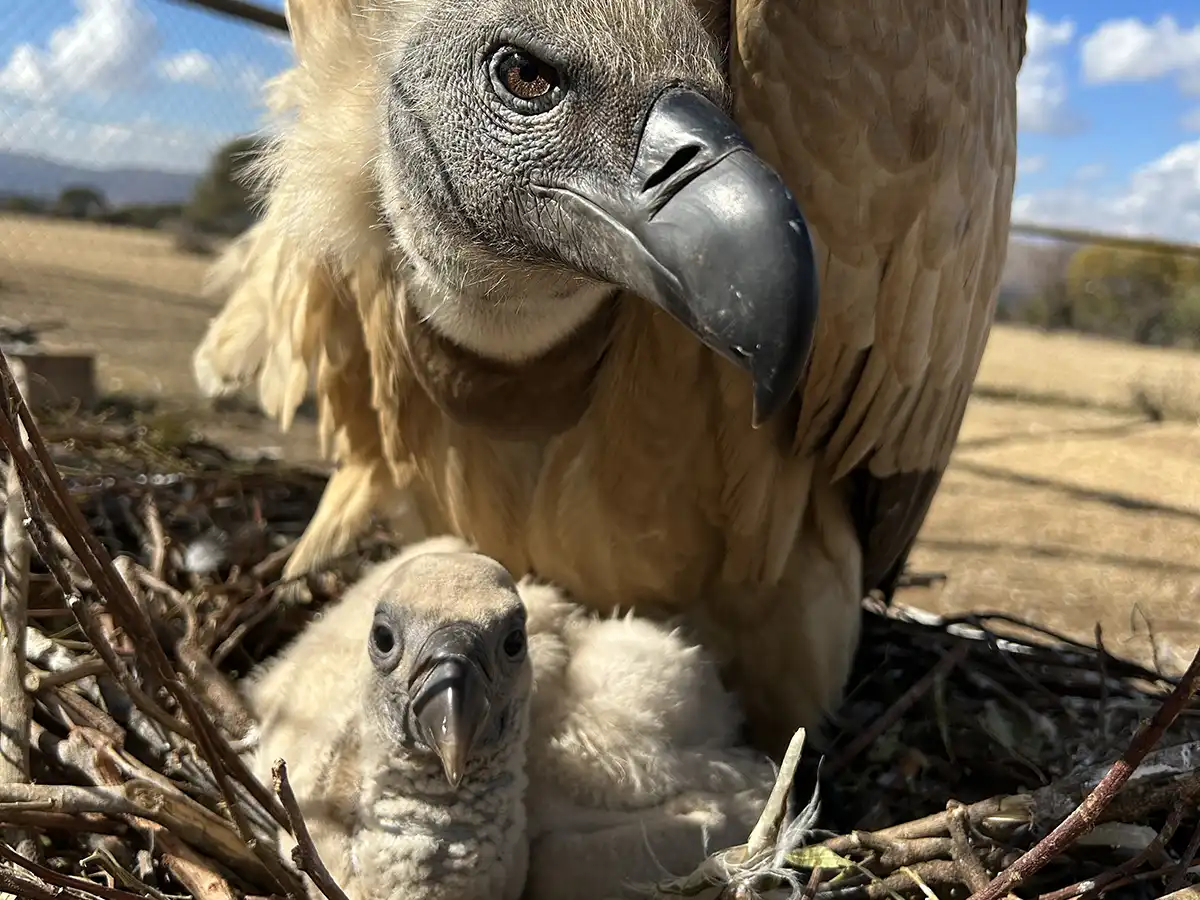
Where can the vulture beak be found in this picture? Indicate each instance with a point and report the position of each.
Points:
(708, 232)
(450, 702)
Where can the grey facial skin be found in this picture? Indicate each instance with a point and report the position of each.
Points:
(547, 139)
(448, 689)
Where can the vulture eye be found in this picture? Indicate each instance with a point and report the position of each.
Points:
(525, 83)
(514, 644)
(384, 645)
(383, 639)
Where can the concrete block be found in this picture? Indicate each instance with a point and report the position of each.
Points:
(59, 379)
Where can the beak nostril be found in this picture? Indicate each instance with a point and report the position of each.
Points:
(678, 161)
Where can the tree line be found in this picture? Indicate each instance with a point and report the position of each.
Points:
(1145, 296)
(221, 203)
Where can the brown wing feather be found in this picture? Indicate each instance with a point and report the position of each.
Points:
(895, 125)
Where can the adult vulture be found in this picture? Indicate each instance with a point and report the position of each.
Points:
(553, 302)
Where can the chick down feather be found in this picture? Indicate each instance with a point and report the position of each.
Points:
(631, 760)
(345, 706)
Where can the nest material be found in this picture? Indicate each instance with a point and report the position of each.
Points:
(967, 749)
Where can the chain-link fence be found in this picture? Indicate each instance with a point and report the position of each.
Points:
(118, 123)
(112, 113)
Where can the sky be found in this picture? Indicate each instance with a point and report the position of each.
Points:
(1108, 99)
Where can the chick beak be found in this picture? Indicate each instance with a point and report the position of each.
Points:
(451, 708)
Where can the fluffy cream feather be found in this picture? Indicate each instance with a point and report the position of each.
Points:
(897, 135)
(634, 768)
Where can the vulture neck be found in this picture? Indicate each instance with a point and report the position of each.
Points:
(530, 399)
(420, 838)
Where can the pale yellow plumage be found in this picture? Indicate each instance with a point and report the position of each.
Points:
(631, 752)
(894, 124)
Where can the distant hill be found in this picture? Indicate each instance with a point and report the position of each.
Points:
(36, 176)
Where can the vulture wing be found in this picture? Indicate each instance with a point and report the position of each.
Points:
(894, 124)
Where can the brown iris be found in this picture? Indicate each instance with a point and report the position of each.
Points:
(527, 77)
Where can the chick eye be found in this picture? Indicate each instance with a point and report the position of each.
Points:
(526, 83)
(382, 639)
(514, 643)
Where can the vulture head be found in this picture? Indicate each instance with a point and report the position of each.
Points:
(451, 677)
(520, 164)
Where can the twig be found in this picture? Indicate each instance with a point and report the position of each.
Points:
(814, 882)
(193, 871)
(1018, 807)
(305, 855)
(14, 607)
(1085, 816)
(65, 881)
(28, 888)
(48, 486)
(968, 863)
(44, 681)
(1186, 861)
(937, 872)
(866, 737)
(1098, 884)
(188, 819)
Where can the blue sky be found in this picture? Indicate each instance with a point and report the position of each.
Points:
(1109, 98)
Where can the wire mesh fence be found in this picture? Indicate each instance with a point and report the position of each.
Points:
(112, 110)
(112, 113)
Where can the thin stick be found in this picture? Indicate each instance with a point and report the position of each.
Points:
(14, 608)
(193, 871)
(28, 888)
(1102, 882)
(305, 854)
(1087, 813)
(69, 882)
(972, 871)
(1179, 879)
(865, 738)
(43, 477)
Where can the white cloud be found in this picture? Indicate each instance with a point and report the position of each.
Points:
(189, 67)
(1130, 50)
(248, 77)
(1126, 50)
(141, 143)
(56, 92)
(109, 46)
(1161, 199)
(1042, 85)
(1030, 165)
(101, 50)
(1089, 172)
(198, 68)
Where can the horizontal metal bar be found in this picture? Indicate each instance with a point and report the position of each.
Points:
(240, 9)
(1080, 236)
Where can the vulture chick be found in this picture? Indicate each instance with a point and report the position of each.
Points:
(545, 288)
(632, 763)
(403, 714)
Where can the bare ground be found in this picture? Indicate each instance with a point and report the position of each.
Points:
(1066, 502)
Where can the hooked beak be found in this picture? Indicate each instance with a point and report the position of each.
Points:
(451, 705)
(709, 233)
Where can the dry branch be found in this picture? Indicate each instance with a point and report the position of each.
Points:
(1087, 814)
(14, 606)
(305, 855)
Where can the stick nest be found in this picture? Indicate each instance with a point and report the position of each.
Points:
(967, 749)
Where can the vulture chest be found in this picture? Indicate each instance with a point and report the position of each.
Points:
(656, 492)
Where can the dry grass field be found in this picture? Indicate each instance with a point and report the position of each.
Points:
(1066, 502)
